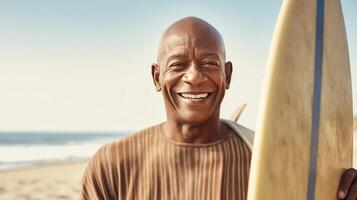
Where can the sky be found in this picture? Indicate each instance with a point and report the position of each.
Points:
(85, 65)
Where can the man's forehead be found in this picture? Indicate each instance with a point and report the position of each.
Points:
(175, 41)
(191, 35)
(183, 54)
(185, 43)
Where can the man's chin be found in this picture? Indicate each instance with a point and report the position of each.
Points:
(195, 117)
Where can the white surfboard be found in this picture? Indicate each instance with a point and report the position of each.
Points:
(303, 137)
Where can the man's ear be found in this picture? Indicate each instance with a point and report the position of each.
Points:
(155, 73)
(228, 70)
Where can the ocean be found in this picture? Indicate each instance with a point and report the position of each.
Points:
(25, 149)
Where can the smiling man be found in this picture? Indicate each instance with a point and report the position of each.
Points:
(193, 154)
(192, 74)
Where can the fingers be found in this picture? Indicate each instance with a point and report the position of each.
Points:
(345, 183)
(352, 193)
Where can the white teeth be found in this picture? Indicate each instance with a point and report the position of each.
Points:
(194, 96)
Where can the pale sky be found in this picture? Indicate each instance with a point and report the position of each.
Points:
(85, 65)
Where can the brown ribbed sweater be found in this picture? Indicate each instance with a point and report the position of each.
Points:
(147, 165)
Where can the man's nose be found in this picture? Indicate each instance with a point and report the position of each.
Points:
(194, 75)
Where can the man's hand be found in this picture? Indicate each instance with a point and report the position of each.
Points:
(348, 185)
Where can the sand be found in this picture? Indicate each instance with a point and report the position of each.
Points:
(47, 181)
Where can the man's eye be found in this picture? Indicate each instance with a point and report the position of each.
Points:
(178, 65)
(210, 64)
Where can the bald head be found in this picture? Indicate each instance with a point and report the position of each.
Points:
(191, 61)
(191, 31)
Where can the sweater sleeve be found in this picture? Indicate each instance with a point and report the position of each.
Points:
(100, 177)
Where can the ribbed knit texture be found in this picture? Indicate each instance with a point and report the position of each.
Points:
(147, 165)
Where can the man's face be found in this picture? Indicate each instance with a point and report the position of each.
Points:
(193, 76)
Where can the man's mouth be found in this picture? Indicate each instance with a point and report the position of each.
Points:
(194, 96)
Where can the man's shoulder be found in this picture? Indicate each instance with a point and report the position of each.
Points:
(144, 135)
(132, 145)
(116, 159)
(246, 134)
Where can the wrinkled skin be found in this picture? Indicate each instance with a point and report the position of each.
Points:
(191, 61)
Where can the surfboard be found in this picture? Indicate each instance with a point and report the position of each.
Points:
(238, 112)
(303, 137)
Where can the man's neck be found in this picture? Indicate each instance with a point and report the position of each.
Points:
(207, 132)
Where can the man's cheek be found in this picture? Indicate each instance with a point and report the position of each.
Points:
(171, 79)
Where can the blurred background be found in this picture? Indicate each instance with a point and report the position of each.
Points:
(75, 75)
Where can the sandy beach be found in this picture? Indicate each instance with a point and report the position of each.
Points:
(47, 181)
